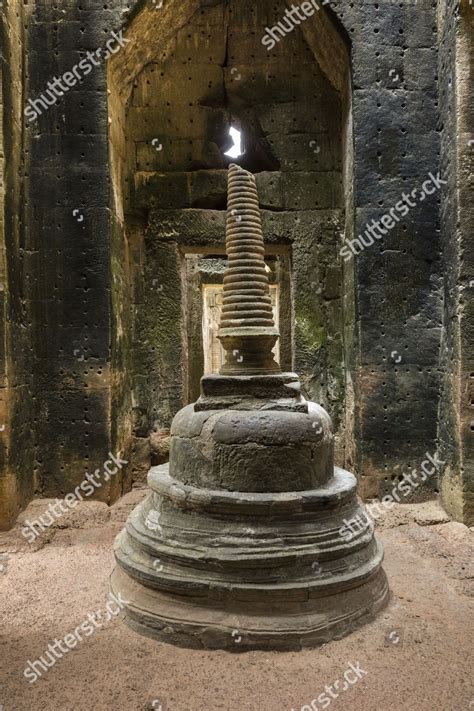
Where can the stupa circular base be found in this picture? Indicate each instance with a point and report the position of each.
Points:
(244, 570)
(182, 622)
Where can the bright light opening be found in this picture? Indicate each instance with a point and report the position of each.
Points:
(236, 149)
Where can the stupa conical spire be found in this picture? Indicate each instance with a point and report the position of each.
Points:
(247, 329)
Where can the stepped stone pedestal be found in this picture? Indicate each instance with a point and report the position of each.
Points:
(239, 544)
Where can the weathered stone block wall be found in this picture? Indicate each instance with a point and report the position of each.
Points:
(72, 283)
(393, 316)
(16, 404)
(178, 119)
(68, 237)
(398, 282)
(455, 21)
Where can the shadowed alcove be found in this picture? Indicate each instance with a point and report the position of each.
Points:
(186, 76)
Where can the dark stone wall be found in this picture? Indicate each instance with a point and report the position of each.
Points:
(17, 407)
(457, 212)
(74, 295)
(398, 281)
(449, 215)
(68, 232)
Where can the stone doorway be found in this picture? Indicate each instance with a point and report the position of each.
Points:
(170, 116)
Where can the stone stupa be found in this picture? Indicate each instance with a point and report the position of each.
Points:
(238, 545)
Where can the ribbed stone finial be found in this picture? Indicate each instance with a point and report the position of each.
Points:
(247, 330)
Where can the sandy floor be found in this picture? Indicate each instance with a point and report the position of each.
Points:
(417, 655)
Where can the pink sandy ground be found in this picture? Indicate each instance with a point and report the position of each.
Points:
(417, 654)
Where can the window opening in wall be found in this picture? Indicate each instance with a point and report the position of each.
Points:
(236, 150)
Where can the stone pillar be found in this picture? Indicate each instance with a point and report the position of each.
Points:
(456, 418)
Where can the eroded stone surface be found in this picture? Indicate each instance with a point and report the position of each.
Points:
(249, 522)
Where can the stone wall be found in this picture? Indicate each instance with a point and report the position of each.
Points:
(68, 237)
(456, 118)
(17, 464)
(91, 343)
(178, 119)
(393, 290)
(398, 281)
